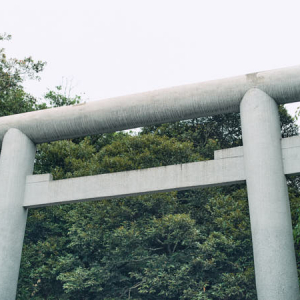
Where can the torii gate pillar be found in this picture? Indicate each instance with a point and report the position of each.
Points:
(16, 162)
(272, 236)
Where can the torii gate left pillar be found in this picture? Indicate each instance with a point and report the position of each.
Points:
(16, 162)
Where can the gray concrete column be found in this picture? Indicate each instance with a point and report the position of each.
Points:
(272, 237)
(16, 162)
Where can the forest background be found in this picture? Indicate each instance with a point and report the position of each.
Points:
(193, 244)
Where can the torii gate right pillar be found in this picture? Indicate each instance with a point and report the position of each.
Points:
(271, 227)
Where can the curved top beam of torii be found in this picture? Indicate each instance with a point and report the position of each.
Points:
(165, 105)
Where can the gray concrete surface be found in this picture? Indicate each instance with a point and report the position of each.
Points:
(41, 191)
(227, 168)
(16, 162)
(166, 105)
(272, 237)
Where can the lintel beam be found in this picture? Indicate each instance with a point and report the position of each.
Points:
(227, 168)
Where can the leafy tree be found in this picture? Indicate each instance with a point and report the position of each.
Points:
(125, 153)
(206, 133)
(56, 98)
(13, 72)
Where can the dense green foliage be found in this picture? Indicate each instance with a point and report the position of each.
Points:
(192, 244)
(179, 245)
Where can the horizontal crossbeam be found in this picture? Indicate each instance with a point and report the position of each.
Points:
(226, 168)
(160, 106)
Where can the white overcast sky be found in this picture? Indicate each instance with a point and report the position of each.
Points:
(107, 48)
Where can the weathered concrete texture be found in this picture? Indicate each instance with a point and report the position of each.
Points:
(273, 246)
(291, 155)
(227, 168)
(41, 191)
(166, 105)
(227, 153)
(16, 162)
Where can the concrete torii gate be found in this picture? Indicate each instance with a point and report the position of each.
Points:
(263, 162)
